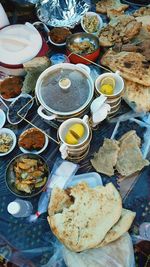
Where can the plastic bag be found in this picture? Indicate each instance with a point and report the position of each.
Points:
(116, 254)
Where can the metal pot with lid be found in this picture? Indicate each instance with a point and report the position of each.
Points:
(64, 90)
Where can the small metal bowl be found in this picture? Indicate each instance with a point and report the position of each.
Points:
(78, 38)
(10, 180)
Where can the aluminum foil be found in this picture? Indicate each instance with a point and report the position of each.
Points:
(61, 13)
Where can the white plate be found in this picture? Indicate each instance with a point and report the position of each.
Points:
(19, 43)
(2, 118)
(35, 151)
(12, 134)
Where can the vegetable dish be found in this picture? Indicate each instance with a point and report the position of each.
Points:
(28, 173)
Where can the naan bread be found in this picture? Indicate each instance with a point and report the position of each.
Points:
(137, 96)
(121, 227)
(116, 254)
(130, 159)
(143, 11)
(145, 22)
(56, 206)
(106, 158)
(132, 66)
(120, 29)
(85, 223)
(104, 6)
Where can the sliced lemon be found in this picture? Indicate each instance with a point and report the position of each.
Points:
(106, 89)
(77, 130)
(70, 139)
(108, 80)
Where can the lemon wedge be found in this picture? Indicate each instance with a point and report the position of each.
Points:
(106, 89)
(75, 132)
(70, 139)
(109, 80)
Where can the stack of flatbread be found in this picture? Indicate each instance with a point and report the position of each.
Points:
(120, 29)
(84, 217)
(123, 155)
(111, 7)
(135, 69)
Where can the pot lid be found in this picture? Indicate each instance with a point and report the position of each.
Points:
(17, 43)
(66, 90)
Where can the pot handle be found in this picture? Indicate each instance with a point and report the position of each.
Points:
(44, 116)
(84, 67)
(63, 151)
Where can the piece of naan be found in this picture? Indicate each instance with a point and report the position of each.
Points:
(132, 66)
(121, 227)
(105, 159)
(120, 29)
(104, 6)
(145, 22)
(137, 96)
(130, 159)
(84, 224)
(143, 11)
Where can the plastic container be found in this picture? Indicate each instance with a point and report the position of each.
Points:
(93, 179)
(20, 208)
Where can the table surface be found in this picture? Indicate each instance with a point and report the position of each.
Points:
(26, 236)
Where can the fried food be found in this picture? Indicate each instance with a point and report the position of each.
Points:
(84, 47)
(32, 139)
(119, 30)
(104, 6)
(132, 66)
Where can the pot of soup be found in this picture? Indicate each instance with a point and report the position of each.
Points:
(64, 90)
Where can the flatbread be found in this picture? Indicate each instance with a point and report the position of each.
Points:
(56, 206)
(104, 6)
(143, 11)
(132, 66)
(130, 159)
(137, 96)
(85, 223)
(106, 158)
(120, 29)
(145, 22)
(121, 227)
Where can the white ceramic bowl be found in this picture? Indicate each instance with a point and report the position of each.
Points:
(64, 127)
(34, 151)
(12, 134)
(56, 44)
(119, 87)
(92, 14)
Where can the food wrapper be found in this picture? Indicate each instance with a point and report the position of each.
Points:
(116, 254)
(58, 13)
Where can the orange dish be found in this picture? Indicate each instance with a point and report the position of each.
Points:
(11, 87)
(32, 139)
